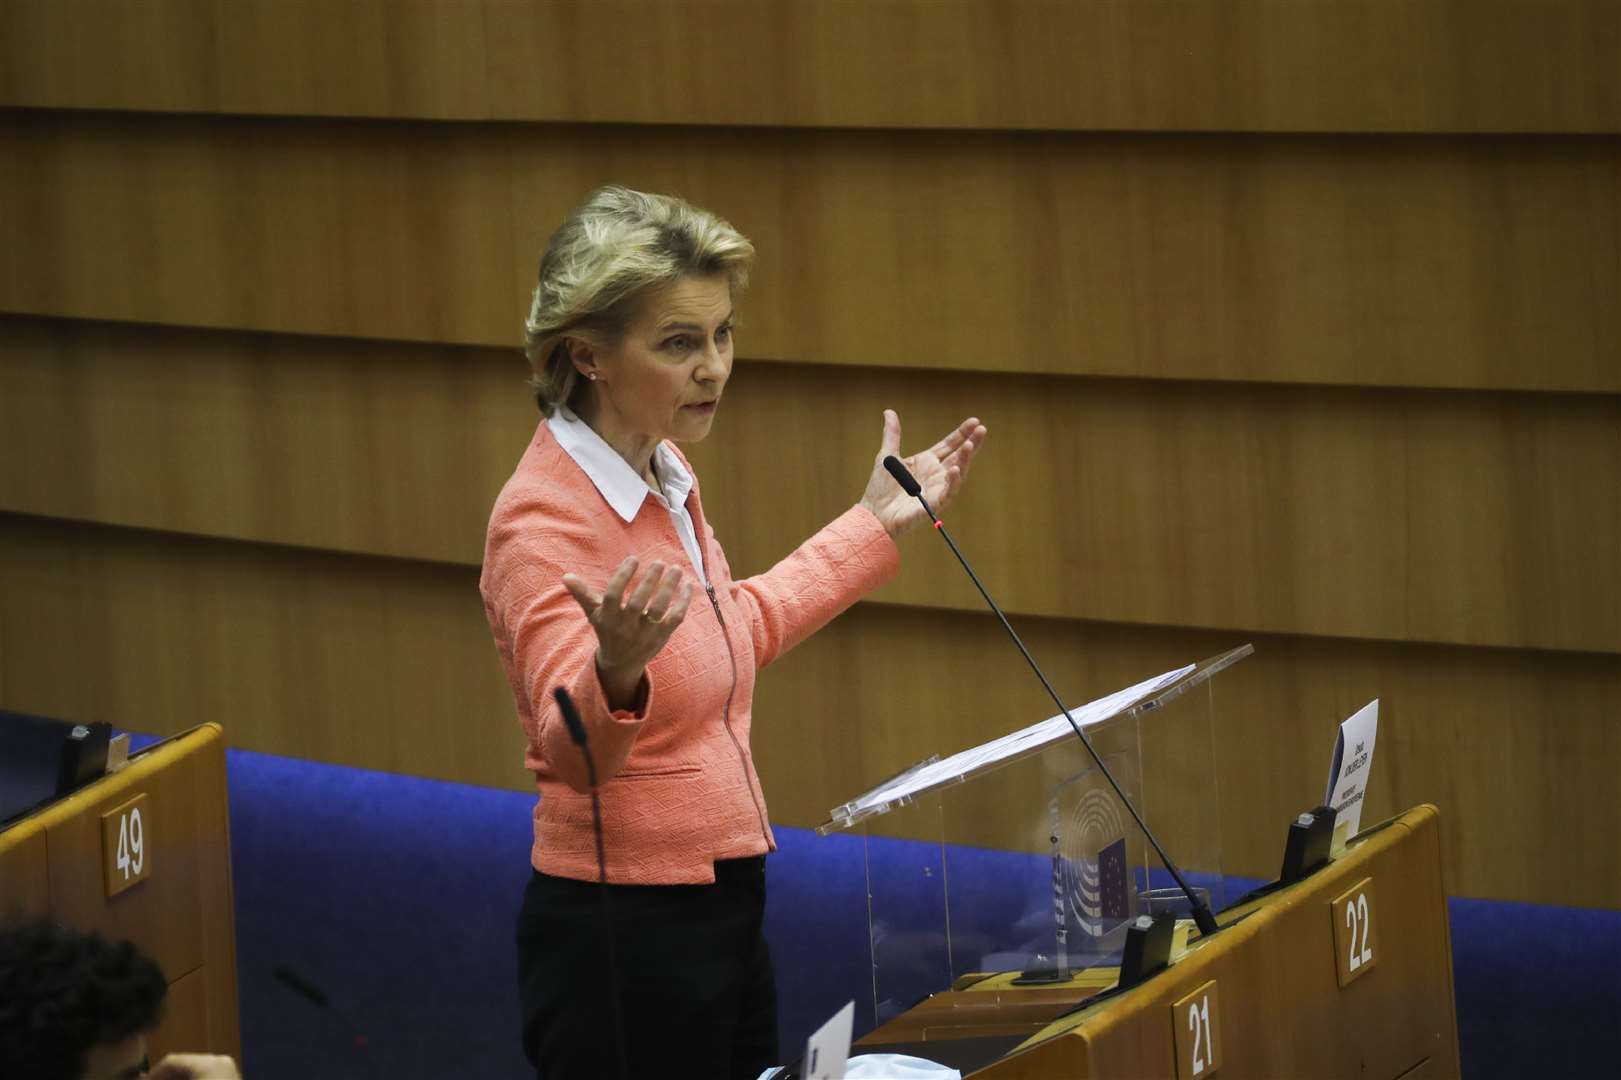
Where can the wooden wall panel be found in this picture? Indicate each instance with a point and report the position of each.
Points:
(294, 228)
(1450, 262)
(369, 662)
(1158, 246)
(1209, 65)
(1472, 518)
(1476, 518)
(389, 449)
(401, 58)
(387, 664)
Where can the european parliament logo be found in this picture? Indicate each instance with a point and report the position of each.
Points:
(1102, 895)
(1093, 856)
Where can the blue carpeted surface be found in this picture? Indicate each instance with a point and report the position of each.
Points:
(1538, 987)
(393, 895)
(396, 897)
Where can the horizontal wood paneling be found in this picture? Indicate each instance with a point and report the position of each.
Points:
(377, 663)
(388, 449)
(1158, 246)
(398, 58)
(387, 664)
(1210, 65)
(1482, 263)
(1478, 518)
(226, 224)
(1473, 518)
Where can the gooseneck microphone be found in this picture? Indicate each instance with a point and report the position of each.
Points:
(903, 476)
(576, 731)
(307, 989)
(1202, 914)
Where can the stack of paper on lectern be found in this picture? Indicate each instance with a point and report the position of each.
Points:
(932, 774)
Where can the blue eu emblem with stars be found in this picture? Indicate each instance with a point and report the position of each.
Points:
(1112, 880)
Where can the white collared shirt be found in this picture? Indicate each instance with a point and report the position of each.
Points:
(619, 484)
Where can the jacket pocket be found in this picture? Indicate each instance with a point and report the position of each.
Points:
(658, 772)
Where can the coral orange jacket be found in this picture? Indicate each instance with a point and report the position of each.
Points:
(677, 781)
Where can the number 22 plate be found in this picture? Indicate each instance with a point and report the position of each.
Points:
(1355, 939)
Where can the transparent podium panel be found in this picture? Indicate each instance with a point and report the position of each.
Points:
(1097, 853)
(1019, 855)
(908, 921)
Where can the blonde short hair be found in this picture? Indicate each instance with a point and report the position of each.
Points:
(609, 253)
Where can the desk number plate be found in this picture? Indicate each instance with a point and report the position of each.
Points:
(1196, 1020)
(126, 845)
(1355, 933)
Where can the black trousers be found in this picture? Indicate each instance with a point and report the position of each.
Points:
(694, 983)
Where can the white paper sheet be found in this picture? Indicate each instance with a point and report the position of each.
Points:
(828, 1050)
(1054, 729)
(1348, 775)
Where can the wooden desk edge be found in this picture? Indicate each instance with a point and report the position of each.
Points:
(1255, 917)
(141, 766)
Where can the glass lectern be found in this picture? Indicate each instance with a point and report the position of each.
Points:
(1017, 856)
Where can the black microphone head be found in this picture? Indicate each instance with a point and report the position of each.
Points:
(571, 716)
(904, 478)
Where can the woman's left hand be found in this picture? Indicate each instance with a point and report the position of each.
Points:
(939, 470)
(195, 1067)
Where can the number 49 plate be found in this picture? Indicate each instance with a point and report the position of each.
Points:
(126, 845)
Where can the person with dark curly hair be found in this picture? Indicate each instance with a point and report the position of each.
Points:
(76, 1006)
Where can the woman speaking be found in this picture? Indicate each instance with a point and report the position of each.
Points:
(602, 576)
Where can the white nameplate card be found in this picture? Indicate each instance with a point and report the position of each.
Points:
(1348, 778)
(828, 1051)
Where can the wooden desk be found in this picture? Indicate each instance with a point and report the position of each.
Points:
(181, 914)
(1281, 1009)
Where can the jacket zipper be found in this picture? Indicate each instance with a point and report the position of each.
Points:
(726, 716)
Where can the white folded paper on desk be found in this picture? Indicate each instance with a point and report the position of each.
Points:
(1348, 775)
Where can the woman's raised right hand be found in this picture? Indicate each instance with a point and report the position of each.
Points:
(631, 629)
